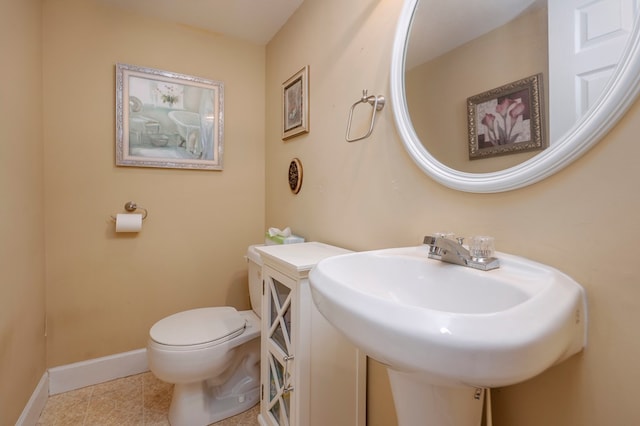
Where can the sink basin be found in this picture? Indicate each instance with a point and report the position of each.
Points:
(461, 325)
(448, 325)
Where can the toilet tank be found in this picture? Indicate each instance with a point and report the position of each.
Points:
(255, 279)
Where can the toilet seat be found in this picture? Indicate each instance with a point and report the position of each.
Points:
(203, 326)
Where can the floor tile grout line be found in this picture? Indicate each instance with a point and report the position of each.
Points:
(88, 404)
(144, 408)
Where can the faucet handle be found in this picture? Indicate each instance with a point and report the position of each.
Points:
(481, 247)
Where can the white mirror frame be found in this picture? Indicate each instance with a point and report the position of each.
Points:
(618, 95)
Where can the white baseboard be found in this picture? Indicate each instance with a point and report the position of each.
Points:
(81, 374)
(34, 407)
(91, 372)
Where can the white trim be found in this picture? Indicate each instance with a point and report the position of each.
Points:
(98, 370)
(261, 420)
(38, 400)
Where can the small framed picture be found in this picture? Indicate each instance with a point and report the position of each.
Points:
(507, 119)
(295, 104)
(170, 120)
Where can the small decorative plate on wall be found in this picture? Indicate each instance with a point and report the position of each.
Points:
(295, 175)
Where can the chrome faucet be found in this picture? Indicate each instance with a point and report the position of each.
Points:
(452, 251)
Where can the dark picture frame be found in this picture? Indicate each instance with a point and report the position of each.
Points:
(507, 120)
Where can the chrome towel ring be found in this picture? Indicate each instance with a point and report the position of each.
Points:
(377, 102)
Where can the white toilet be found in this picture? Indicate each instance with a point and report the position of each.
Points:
(212, 355)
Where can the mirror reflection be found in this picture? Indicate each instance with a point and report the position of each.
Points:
(458, 49)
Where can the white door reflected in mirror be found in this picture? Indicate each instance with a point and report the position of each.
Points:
(585, 46)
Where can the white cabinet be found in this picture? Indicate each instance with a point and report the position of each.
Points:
(310, 374)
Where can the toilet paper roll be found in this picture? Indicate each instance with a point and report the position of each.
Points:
(131, 222)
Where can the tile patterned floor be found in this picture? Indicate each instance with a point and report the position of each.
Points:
(135, 400)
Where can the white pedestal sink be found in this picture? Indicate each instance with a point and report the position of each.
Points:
(445, 331)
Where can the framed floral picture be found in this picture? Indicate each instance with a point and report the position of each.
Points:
(507, 119)
(295, 104)
(166, 119)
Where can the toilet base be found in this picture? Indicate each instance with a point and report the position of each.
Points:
(205, 402)
(197, 404)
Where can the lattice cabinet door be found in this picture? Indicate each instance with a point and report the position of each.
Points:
(278, 357)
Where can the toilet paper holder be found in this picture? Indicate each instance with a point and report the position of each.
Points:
(131, 207)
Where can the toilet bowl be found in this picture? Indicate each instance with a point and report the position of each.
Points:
(212, 356)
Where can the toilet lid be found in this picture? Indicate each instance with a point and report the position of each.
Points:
(198, 326)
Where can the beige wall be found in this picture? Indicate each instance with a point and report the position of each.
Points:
(437, 90)
(369, 194)
(104, 289)
(22, 280)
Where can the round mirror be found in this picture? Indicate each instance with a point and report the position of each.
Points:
(455, 112)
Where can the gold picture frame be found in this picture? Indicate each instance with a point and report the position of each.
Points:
(507, 120)
(295, 104)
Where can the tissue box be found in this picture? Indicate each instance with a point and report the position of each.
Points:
(279, 239)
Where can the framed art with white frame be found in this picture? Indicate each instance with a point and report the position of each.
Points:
(169, 120)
